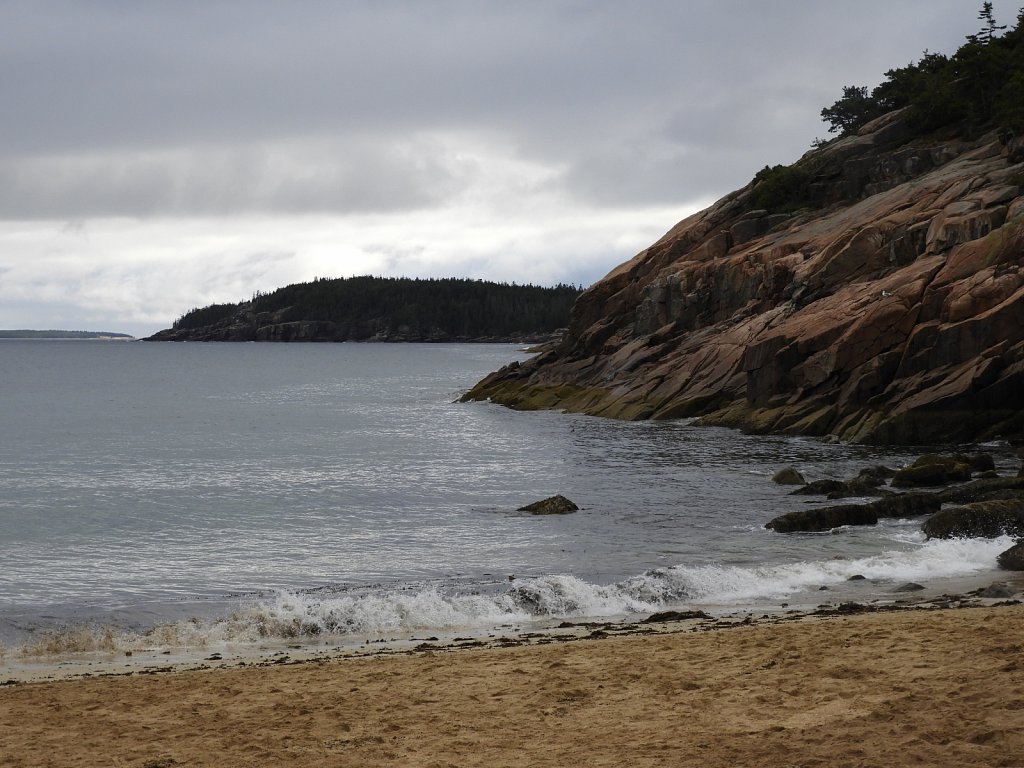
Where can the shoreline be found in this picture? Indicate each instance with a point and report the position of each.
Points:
(917, 684)
(18, 667)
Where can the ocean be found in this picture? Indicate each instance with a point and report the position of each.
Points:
(200, 494)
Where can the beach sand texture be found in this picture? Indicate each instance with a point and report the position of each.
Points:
(924, 688)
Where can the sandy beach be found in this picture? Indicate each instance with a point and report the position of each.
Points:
(919, 687)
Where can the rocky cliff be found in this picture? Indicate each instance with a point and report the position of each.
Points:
(890, 308)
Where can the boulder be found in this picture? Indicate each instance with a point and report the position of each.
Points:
(820, 488)
(931, 475)
(553, 505)
(979, 462)
(910, 586)
(823, 518)
(663, 616)
(879, 473)
(1013, 558)
(999, 590)
(788, 476)
(826, 518)
(980, 519)
(906, 505)
(983, 490)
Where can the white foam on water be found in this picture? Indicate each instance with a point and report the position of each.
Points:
(297, 615)
(928, 560)
(564, 596)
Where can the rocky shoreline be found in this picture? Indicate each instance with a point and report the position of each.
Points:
(988, 506)
(889, 310)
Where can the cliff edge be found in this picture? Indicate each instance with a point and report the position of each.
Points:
(889, 308)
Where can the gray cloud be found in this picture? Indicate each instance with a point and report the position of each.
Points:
(152, 108)
(160, 155)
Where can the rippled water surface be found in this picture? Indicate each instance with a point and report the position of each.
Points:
(143, 483)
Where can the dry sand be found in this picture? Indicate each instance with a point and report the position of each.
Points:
(926, 688)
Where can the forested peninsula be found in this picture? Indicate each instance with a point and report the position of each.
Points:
(873, 290)
(385, 309)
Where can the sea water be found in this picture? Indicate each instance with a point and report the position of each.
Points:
(235, 492)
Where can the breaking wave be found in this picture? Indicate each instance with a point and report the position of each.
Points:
(307, 615)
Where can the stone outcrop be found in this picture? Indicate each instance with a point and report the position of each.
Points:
(898, 505)
(980, 519)
(553, 505)
(890, 310)
(1013, 558)
(788, 476)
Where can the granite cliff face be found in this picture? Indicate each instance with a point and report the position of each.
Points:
(890, 309)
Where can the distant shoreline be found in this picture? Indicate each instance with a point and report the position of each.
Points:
(65, 335)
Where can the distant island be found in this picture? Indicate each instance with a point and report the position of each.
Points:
(384, 309)
(28, 334)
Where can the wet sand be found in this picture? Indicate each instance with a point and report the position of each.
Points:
(917, 687)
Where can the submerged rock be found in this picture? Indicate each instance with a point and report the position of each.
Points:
(980, 519)
(906, 505)
(910, 586)
(1012, 559)
(663, 616)
(788, 476)
(826, 518)
(984, 490)
(820, 488)
(823, 518)
(553, 505)
(939, 473)
(998, 590)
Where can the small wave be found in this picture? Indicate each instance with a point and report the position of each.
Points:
(307, 615)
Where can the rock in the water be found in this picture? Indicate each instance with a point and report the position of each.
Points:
(553, 505)
(1013, 558)
(910, 586)
(906, 505)
(823, 518)
(788, 476)
(981, 519)
(826, 518)
(983, 490)
(979, 462)
(878, 473)
(857, 577)
(997, 590)
(820, 488)
(657, 618)
(931, 474)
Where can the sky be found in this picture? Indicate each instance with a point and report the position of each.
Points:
(160, 155)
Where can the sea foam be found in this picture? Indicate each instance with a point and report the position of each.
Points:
(380, 611)
(289, 614)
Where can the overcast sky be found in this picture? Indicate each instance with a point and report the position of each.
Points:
(156, 156)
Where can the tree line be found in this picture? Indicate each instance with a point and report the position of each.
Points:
(364, 306)
(979, 87)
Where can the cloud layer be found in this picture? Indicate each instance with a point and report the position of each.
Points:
(499, 140)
